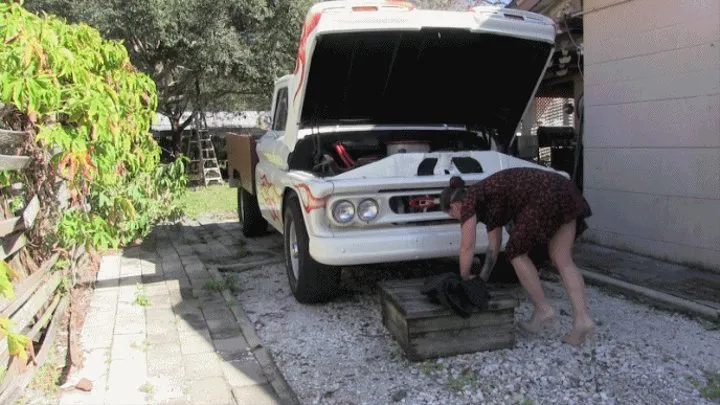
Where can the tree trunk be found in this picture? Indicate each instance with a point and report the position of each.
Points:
(176, 130)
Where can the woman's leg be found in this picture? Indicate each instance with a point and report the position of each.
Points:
(560, 248)
(530, 281)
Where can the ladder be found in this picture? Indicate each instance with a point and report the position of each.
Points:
(203, 167)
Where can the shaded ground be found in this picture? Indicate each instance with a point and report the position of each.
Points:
(682, 281)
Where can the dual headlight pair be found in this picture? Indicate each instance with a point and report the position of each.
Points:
(344, 211)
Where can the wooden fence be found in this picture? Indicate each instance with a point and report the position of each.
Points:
(41, 302)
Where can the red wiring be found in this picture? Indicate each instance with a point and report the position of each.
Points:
(344, 155)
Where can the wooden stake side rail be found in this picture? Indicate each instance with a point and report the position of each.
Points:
(40, 305)
(425, 330)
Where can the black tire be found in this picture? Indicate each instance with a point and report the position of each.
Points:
(253, 224)
(316, 282)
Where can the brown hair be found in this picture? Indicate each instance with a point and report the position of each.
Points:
(454, 192)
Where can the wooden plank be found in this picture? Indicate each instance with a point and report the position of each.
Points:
(425, 330)
(22, 318)
(395, 323)
(62, 194)
(23, 222)
(8, 162)
(9, 138)
(242, 157)
(9, 226)
(31, 212)
(32, 306)
(17, 264)
(485, 319)
(441, 344)
(415, 306)
(417, 295)
(16, 381)
(45, 318)
(24, 290)
(41, 323)
(407, 296)
(12, 244)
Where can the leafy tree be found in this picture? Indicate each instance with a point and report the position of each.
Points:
(200, 53)
(90, 112)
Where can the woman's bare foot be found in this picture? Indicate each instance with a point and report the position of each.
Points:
(540, 319)
(579, 332)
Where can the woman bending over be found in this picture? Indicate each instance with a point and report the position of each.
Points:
(545, 209)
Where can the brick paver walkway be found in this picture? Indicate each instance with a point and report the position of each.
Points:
(163, 327)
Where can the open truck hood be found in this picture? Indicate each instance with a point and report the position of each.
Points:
(478, 69)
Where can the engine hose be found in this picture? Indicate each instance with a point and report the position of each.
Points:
(344, 156)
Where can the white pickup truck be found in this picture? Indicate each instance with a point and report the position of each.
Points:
(386, 103)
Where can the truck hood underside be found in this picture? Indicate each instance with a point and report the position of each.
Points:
(429, 76)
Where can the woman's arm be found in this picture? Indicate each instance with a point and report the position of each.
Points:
(467, 246)
(494, 239)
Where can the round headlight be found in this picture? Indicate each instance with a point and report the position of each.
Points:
(367, 210)
(343, 211)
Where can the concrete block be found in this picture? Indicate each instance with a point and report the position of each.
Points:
(244, 372)
(202, 364)
(125, 381)
(256, 395)
(104, 300)
(196, 342)
(223, 329)
(233, 347)
(211, 391)
(129, 347)
(130, 319)
(218, 312)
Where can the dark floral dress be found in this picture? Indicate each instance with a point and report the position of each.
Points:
(538, 203)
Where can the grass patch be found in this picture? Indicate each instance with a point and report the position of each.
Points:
(216, 200)
(142, 346)
(710, 389)
(140, 298)
(46, 380)
(228, 283)
(430, 366)
(466, 378)
(148, 389)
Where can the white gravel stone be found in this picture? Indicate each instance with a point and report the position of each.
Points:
(340, 353)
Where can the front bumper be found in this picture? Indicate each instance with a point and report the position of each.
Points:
(394, 245)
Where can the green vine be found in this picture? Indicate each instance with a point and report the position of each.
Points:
(17, 343)
(90, 112)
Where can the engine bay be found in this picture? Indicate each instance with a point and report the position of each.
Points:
(328, 155)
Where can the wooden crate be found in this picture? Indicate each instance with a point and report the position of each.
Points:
(425, 330)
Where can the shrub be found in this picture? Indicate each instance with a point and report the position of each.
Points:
(89, 112)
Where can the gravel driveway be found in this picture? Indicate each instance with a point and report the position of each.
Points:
(340, 353)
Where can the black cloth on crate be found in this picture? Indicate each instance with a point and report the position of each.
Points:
(451, 291)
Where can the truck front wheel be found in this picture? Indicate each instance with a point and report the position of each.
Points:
(253, 224)
(310, 281)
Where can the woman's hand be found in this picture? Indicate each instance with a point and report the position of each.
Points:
(494, 240)
(467, 246)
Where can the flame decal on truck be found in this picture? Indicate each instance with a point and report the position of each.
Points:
(310, 23)
(270, 196)
(406, 4)
(309, 201)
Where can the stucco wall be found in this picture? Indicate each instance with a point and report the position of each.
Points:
(652, 140)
